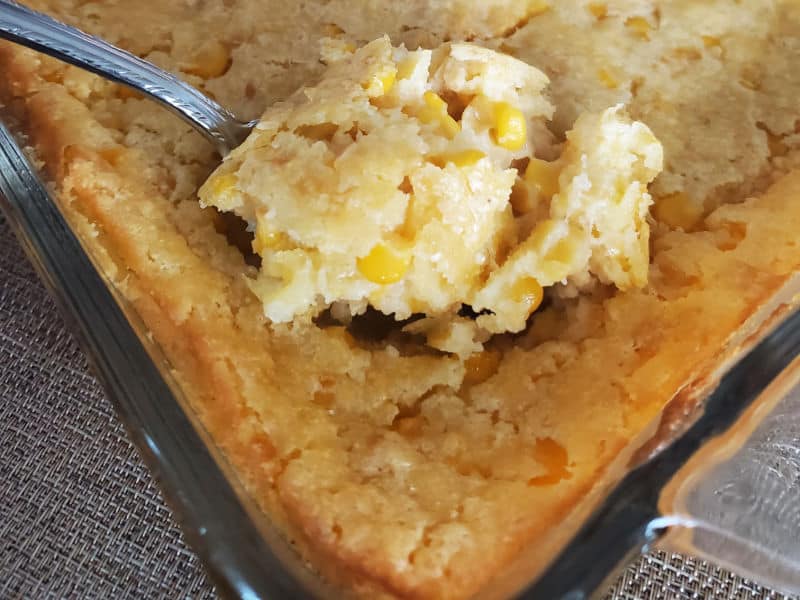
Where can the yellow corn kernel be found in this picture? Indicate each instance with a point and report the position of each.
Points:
(211, 61)
(510, 130)
(598, 9)
(607, 79)
(678, 210)
(383, 266)
(554, 459)
(435, 102)
(639, 26)
(538, 7)
(544, 176)
(463, 158)
(387, 79)
(267, 238)
(479, 367)
(711, 41)
(731, 235)
(113, 155)
(529, 292)
(222, 184)
(405, 68)
(435, 111)
(466, 158)
(318, 131)
(381, 82)
(563, 251)
(687, 53)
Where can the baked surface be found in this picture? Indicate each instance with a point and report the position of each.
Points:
(408, 473)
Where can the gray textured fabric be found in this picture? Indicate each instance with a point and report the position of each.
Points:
(79, 513)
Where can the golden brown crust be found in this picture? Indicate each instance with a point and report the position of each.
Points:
(390, 475)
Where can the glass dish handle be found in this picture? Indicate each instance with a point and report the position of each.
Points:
(737, 501)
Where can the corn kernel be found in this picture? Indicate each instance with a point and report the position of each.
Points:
(267, 238)
(222, 184)
(607, 79)
(537, 7)
(479, 367)
(639, 26)
(730, 235)
(318, 132)
(510, 130)
(554, 459)
(113, 155)
(387, 79)
(563, 251)
(598, 9)
(678, 210)
(687, 53)
(381, 82)
(544, 176)
(435, 111)
(405, 68)
(434, 101)
(529, 292)
(464, 158)
(383, 266)
(211, 61)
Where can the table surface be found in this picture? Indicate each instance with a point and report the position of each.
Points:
(80, 515)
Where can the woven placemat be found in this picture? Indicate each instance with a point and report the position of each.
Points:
(79, 513)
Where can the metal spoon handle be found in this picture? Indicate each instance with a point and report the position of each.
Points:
(40, 32)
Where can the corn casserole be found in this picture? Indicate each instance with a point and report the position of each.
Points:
(412, 424)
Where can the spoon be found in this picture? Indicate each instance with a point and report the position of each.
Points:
(40, 32)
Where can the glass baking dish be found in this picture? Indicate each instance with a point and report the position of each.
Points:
(718, 476)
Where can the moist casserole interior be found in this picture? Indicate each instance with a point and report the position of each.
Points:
(397, 470)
